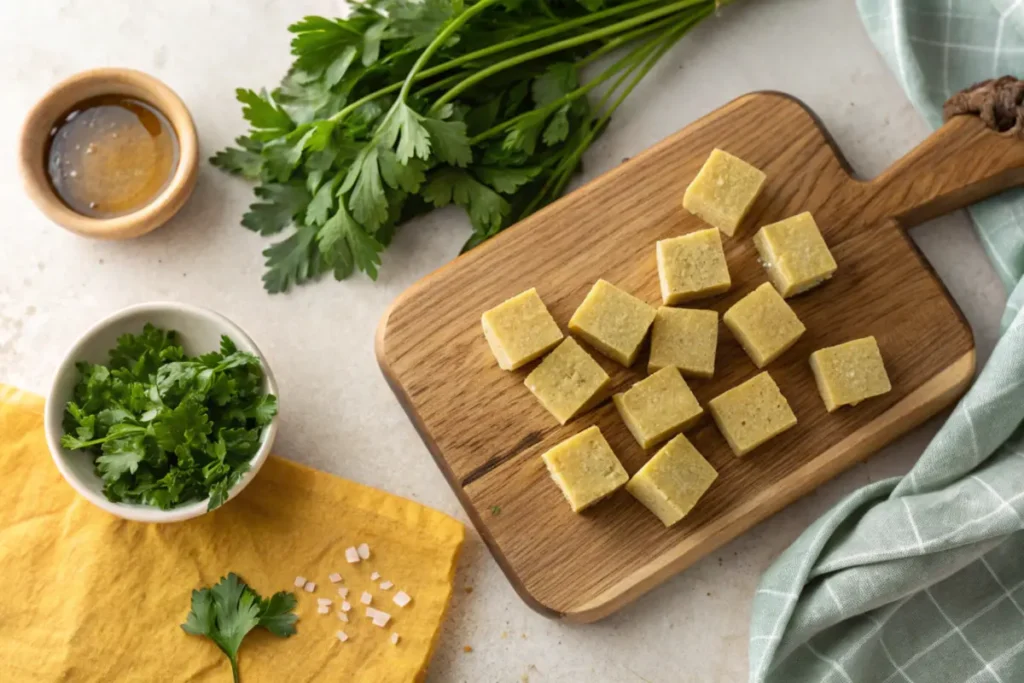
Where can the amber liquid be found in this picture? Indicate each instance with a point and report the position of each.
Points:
(111, 155)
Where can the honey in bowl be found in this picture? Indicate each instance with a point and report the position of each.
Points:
(111, 155)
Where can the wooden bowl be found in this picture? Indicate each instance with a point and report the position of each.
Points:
(62, 98)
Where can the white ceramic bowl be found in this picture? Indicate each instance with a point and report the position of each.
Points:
(199, 331)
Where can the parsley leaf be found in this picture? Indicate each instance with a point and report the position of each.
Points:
(228, 611)
(347, 246)
(406, 127)
(557, 129)
(319, 44)
(244, 160)
(371, 42)
(485, 206)
(557, 81)
(186, 425)
(305, 97)
(220, 489)
(368, 201)
(264, 410)
(283, 203)
(321, 204)
(291, 261)
(337, 69)
(121, 455)
(268, 121)
(407, 177)
(449, 141)
(421, 21)
(276, 614)
(505, 180)
(522, 137)
(142, 355)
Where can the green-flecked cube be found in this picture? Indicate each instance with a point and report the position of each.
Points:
(794, 254)
(764, 324)
(850, 373)
(585, 468)
(672, 482)
(751, 413)
(568, 381)
(613, 322)
(686, 338)
(519, 330)
(692, 266)
(658, 407)
(724, 190)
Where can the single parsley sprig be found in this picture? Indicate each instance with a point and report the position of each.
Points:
(166, 429)
(227, 612)
(409, 105)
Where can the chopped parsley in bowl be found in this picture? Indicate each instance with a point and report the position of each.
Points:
(160, 427)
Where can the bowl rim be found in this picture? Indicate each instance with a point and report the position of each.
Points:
(43, 116)
(53, 415)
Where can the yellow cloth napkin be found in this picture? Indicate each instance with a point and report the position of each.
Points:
(90, 597)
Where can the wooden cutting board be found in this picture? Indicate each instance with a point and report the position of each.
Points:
(487, 431)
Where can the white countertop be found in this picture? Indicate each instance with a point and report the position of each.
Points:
(339, 414)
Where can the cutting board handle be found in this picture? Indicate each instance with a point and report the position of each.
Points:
(977, 153)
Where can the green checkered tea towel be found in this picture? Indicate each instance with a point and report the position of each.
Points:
(920, 579)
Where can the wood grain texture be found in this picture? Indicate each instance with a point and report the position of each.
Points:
(487, 431)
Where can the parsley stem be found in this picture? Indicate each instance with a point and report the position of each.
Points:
(441, 84)
(571, 160)
(569, 97)
(671, 38)
(619, 41)
(558, 47)
(583, 90)
(652, 53)
(547, 10)
(124, 431)
(668, 37)
(441, 38)
(501, 47)
(560, 27)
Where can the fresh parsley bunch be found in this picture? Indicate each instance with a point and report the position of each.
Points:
(407, 105)
(227, 612)
(166, 429)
